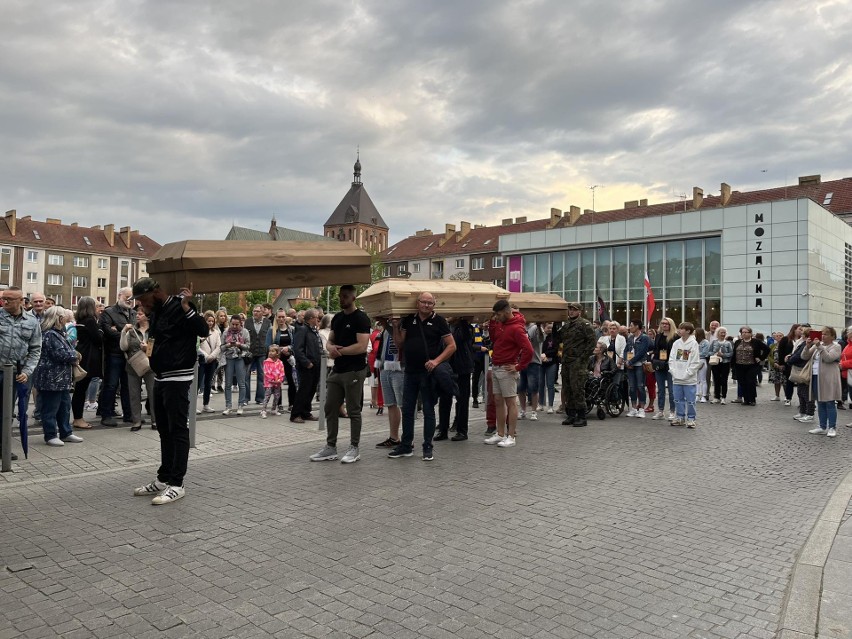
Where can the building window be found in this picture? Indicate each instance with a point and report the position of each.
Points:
(415, 268)
(386, 271)
(32, 277)
(500, 283)
(477, 263)
(400, 269)
(848, 283)
(123, 273)
(438, 270)
(55, 260)
(497, 261)
(55, 280)
(102, 282)
(101, 299)
(460, 263)
(5, 265)
(58, 299)
(75, 299)
(78, 281)
(102, 262)
(32, 256)
(81, 262)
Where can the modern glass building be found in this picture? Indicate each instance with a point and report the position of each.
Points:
(767, 264)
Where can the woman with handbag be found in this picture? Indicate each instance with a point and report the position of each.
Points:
(665, 339)
(824, 355)
(235, 344)
(134, 343)
(90, 341)
(721, 353)
(800, 377)
(281, 335)
(54, 379)
(209, 349)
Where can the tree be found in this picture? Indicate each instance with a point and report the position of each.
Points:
(461, 276)
(328, 297)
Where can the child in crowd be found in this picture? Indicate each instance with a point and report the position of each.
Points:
(273, 377)
(684, 363)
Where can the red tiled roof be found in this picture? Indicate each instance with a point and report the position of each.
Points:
(72, 238)
(416, 247)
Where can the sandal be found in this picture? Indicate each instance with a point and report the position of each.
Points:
(380, 411)
(81, 424)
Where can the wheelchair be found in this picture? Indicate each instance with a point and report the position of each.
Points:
(605, 394)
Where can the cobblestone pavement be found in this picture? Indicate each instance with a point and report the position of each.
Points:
(626, 528)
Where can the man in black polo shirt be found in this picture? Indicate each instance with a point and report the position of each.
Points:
(425, 340)
(347, 346)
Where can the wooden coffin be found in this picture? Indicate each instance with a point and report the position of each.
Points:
(540, 307)
(218, 266)
(397, 297)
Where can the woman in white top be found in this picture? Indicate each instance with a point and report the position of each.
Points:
(209, 350)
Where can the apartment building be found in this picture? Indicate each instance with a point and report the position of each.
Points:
(68, 261)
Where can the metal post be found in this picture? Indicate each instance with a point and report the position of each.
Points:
(193, 404)
(8, 403)
(323, 376)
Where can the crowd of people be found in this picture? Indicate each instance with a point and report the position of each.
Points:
(99, 359)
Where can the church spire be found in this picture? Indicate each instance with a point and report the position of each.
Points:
(357, 167)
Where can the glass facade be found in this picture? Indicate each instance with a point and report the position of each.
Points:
(685, 277)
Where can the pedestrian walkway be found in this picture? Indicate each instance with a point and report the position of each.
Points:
(626, 528)
(835, 611)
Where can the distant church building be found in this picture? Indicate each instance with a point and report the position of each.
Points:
(356, 218)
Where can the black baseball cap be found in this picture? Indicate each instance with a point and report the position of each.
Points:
(143, 286)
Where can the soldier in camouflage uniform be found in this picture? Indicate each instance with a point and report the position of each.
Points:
(578, 341)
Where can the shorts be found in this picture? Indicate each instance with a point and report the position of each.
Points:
(504, 383)
(392, 387)
(530, 379)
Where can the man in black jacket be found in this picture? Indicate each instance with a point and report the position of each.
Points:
(307, 349)
(175, 329)
(258, 326)
(462, 364)
(112, 322)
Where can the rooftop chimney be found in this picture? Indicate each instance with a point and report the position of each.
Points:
(449, 231)
(810, 180)
(53, 220)
(643, 202)
(697, 197)
(520, 220)
(125, 235)
(74, 225)
(632, 204)
(109, 233)
(507, 221)
(96, 227)
(12, 221)
(465, 229)
(573, 215)
(555, 217)
(726, 194)
(423, 233)
(479, 226)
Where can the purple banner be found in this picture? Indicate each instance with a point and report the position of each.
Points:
(515, 274)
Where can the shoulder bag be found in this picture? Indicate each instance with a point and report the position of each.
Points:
(443, 377)
(139, 361)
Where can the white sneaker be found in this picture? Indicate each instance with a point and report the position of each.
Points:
(263, 414)
(74, 439)
(631, 412)
(549, 410)
(690, 423)
(804, 419)
(832, 432)
(722, 401)
(817, 431)
(170, 494)
(55, 442)
(197, 411)
(786, 402)
(240, 410)
(798, 416)
(658, 415)
(352, 455)
(533, 416)
(522, 415)
(640, 414)
(494, 439)
(703, 400)
(714, 401)
(775, 399)
(154, 488)
(670, 416)
(507, 442)
(207, 409)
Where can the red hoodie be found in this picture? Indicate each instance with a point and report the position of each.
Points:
(510, 342)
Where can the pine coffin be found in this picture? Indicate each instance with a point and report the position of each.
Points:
(397, 297)
(218, 266)
(540, 307)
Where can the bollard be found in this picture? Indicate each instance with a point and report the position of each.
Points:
(193, 404)
(323, 376)
(8, 404)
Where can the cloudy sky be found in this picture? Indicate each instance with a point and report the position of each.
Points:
(183, 117)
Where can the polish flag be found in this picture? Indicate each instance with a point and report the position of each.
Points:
(649, 297)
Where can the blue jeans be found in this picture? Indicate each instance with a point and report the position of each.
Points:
(56, 413)
(256, 365)
(236, 367)
(827, 411)
(636, 385)
(547, 390)
(684, 398)
(417, 382)
(530, 380)
(664, 380)
(115, 373)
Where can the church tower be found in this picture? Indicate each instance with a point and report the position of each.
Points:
(356, 218)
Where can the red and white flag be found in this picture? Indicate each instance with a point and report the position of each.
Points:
(649, 297)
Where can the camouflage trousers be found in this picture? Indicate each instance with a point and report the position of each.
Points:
(574, 376)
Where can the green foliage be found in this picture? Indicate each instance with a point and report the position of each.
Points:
(303, 306)
(328, 298)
